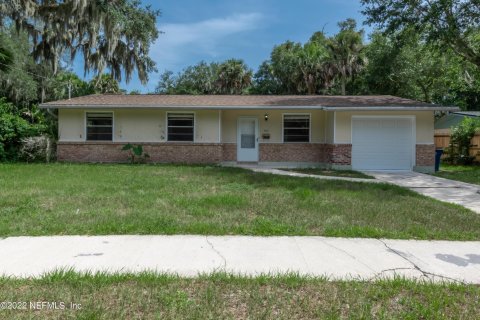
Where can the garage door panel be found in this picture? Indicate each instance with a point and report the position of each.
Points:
(382, 144)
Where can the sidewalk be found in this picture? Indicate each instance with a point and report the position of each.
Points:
(336, 258)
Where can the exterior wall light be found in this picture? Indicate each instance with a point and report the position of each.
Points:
(266, 116)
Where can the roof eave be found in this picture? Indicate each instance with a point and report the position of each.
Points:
(326, 108)
(393, 108)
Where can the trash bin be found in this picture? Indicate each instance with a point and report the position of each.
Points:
(438, 155)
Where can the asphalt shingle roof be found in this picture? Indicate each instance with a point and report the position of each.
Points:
(156, 100)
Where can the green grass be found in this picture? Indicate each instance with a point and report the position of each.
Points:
(332, 173)
(220, 296)
(469, 174)
(59, 199)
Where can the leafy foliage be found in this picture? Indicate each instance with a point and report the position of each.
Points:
(450, 24)
(13, 128)
(109, 34)
(229, 77)
(136, 153)
(460, 141)
(104, 84)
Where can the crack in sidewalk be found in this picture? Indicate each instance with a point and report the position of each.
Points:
(426, 274)
(218, 253)
(347, 253)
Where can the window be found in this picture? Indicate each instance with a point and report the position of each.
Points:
(180, 126)
(296, 128)
(99, 126)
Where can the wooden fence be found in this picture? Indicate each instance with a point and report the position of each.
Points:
(442, 139)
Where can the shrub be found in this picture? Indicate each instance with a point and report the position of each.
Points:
(458, 151)
(40, 148)
(13, 128)
(136, 153)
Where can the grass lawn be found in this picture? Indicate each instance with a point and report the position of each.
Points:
(332, 173)
(87, 199)
(470, 174)
(150, 296)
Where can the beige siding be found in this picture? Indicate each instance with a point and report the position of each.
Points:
(71, 125)
(329, 127)
(273, 126)
(143, 125)
(424, 124)
(140, 125)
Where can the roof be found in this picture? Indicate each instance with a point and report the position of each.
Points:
(454, 119)
(469, 113)
(244, 102)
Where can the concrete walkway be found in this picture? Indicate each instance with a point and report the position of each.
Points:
(337, 258)
(465, 194)
(305, 175)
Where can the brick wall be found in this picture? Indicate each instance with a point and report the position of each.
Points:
(159, 152)
(214, 152)
(229, 151)
(425, 154)
(338, 154)
(292, 152)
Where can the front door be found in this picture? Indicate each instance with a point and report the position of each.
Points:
(247, 139)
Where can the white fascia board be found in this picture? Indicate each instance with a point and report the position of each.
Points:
(392, 108)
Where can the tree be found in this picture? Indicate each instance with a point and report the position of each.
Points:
(21, 84)
(6, 57)
(198, 79)
(450, 24)
(264, 80)
(347, 52)
(284, 60)
(233, 77)
(405, 65)
(113, 34)
(67, 85)
(105, 84)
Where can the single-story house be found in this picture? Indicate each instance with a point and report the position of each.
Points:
(343, 132)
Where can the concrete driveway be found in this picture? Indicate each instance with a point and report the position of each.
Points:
(336, 258)
(464, 194)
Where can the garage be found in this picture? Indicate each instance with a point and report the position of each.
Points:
(383, 143)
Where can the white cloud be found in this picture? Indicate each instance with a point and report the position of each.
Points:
(203, 38)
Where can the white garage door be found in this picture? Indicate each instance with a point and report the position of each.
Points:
(382, 143)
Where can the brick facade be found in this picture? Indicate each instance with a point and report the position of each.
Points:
(339, 154)
(292, 152)
(229, 152)
(159, 152)
(425, 155)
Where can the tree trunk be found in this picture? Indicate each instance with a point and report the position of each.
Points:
(344, 83)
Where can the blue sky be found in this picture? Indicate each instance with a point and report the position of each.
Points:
(215, 30)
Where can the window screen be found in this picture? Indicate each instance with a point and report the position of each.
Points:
(180, 126)
(99, 126)
(296, 128)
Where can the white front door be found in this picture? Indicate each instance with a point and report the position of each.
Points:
(383, 143)
(247, 139)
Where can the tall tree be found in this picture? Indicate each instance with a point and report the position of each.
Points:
(449, 23)
(198, 79)
(233, 77)
(105, 83)
(347, 52)
(6, 57)
(109, 34)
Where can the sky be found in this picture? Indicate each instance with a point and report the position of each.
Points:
(216, 30)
